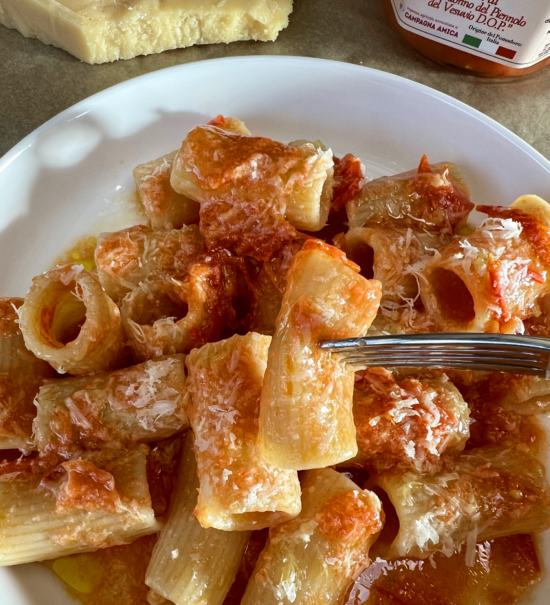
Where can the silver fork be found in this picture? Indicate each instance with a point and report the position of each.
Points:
(483, 352)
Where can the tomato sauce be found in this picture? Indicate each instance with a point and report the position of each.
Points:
(504, 570)
(348, 181)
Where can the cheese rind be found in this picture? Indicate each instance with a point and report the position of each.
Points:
(99, 31)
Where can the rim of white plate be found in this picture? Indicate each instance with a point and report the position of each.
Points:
(382, 76)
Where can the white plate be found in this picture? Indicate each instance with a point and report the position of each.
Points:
(73, 176)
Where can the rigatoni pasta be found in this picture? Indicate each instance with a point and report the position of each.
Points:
(153, 316)
(239, 490)
(21, 375)
(165, 315)
(493, 279)
(306, 418)
(483, 494)
(407, 423)
(163, 206)
(390, 255)
(386, 254)
(247, 185)
(308, 206)
(526, 394)
(315, 557)
(82, 505)
(433, 199)
(112, 411)
(68, 320)
(268, 287)
(230, 123)
(125, 258)
(153, 598)
(191, 565)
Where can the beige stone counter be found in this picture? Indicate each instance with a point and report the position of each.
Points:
(38, 81)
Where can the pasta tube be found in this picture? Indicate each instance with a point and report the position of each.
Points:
(268, 287)
(68, 320)
(126, 258)
(229, 123)
(348, 177)
(21, 375)
(164, 315)
(239, 489)
(306, 418)
(154, 598)
(432, 199)
(308, 206)
(83, 505)
(112, 411)
(391, 255)
(164, 208)
(519, 393)
(526, 395)
(483, 494)
(408, 423)
(539, 326)
(493, 279)
(385, 255)
(191, 565)
(315, 557)
(247, 185)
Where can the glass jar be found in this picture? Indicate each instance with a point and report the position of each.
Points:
(491, 38)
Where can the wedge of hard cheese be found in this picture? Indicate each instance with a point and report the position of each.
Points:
(97, 31)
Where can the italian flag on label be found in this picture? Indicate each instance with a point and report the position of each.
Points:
(490, 47)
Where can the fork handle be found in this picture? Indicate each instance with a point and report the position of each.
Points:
(465, 351)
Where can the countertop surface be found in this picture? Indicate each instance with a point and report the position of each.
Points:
(38, 81)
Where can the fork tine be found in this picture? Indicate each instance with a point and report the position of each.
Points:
(459, 366)
(445, 355)
(443, 359)
(423, 347)
(490, 353)
(450, 359)
(406, 353)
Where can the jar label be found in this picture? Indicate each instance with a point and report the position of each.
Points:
(509, 32)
